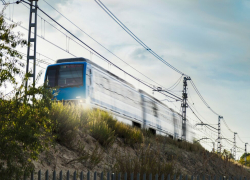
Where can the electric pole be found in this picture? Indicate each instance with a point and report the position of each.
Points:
(235, 146)
(246, 154)
(219, 136)
(184, 106)
(31, 55)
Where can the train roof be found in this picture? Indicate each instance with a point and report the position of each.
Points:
(81, 59)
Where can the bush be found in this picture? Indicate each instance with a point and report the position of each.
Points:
(25, 131)
(66, 121)
(131, 135)
(146, 161)
(101, 132)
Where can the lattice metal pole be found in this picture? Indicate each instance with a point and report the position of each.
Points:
(219, 135)
(246, 154)
(235, 146)
(32, 39)
(184, 106)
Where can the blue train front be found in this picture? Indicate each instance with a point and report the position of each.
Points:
(69, 75)
(82, 81)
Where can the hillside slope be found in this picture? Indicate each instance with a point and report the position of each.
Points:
(91, 140)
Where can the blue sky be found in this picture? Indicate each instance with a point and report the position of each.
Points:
(209, 40)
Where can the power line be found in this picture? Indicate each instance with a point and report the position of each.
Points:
(195, 114)
(99, 53)
(45, 39)
(101, 44)
(203, 100)
(240, 138)
(200, 119)
(227, 126)
(196, 110)
(175, 84)
(135, 37)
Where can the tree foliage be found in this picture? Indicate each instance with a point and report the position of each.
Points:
(242, 159)
(25, 127)
(9, 64)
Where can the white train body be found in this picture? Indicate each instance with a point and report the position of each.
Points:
(105, 90)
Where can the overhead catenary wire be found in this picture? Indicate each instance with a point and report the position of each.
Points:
(240, 138)
(203, 100)
(227, 125)
(44, 39)
(67, 50)
(175, 84)
(178, 98)
(135, 37)
(200, 119)
(102, 45)
(190, 104)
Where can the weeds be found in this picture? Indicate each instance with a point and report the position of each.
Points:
(90, 158)
(66, 121)
(150, 153)
(130, 135)
(147, 160)
(101, 132)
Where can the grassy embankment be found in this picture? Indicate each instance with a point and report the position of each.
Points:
(122, 148)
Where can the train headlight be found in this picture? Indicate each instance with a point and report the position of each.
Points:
(81, 101)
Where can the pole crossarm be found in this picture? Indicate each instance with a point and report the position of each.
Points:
(225, 139)
(159, 89)
(203, 124)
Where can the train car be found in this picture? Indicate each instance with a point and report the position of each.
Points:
(81, 81)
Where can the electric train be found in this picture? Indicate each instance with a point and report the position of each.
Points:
(81, 80)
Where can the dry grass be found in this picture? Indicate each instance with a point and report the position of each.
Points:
(147, 160)
(146, 153)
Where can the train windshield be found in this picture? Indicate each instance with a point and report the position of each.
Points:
(69, 75)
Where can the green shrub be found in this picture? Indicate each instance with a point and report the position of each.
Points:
(131, 135)
(66, 121)
(101, 132)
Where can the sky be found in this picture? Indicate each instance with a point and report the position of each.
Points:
(208, 40)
